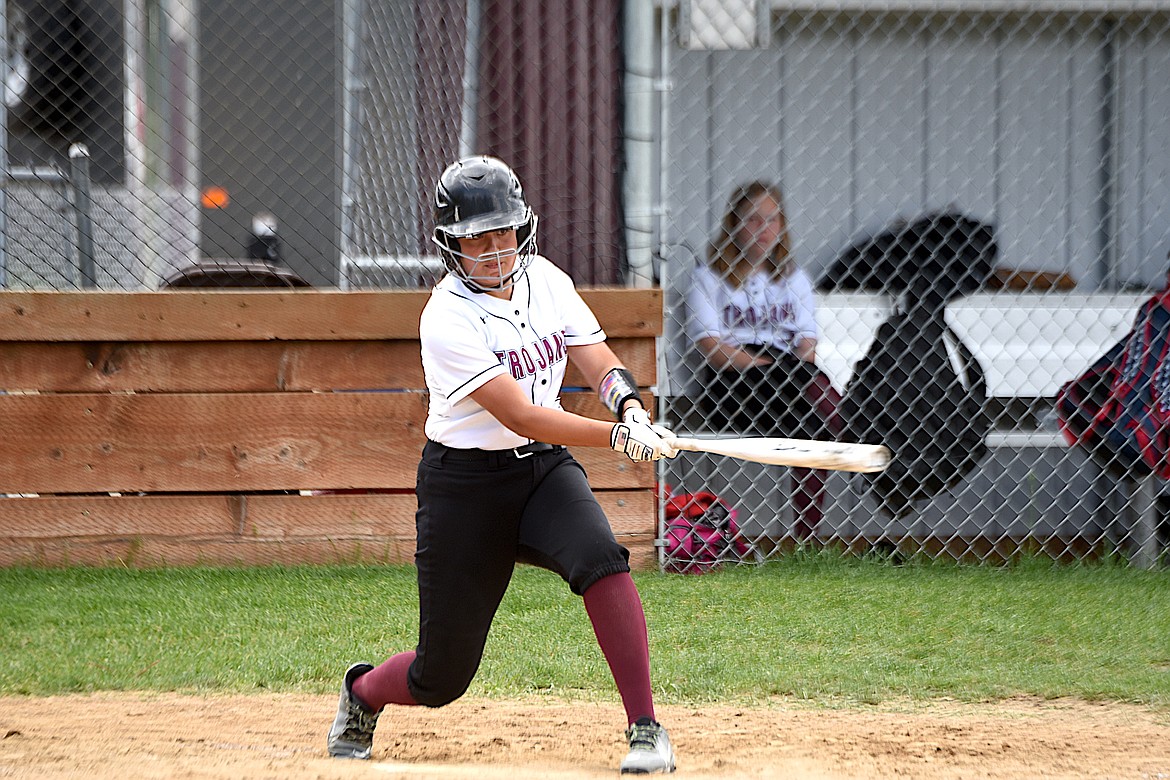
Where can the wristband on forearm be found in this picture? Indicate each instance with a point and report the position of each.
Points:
(617, 387)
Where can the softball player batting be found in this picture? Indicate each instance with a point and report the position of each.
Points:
(496, 485)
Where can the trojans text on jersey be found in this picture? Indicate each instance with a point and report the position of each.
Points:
(538, 355)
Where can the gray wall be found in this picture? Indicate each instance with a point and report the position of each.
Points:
(1026, 120)
(269, 119)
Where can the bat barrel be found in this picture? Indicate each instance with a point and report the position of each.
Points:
(800, 453)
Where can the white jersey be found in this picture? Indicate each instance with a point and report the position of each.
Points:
(469, 338)
(774, 312)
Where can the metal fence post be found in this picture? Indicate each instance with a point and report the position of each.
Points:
(82, 203)
(1144, 510)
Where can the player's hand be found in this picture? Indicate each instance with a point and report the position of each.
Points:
(640, 442)
(636, 414)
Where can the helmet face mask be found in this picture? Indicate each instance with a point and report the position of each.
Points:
(485, 271)
(477, 195)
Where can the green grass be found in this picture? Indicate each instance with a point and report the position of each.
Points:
(826, 629)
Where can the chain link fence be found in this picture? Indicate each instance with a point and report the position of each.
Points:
(934, 204)
(945, 203)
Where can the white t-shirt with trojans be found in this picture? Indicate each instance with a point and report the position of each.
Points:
(469, 338)
(773, 312)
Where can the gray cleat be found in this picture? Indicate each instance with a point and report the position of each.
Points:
(352, 735)
(650, 751)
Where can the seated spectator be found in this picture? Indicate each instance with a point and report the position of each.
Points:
(751, 315)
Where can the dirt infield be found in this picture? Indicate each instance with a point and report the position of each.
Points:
(120, 736)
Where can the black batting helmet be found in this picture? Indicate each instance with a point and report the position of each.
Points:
(477, 195)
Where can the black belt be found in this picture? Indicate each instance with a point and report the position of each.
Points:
(491, 456)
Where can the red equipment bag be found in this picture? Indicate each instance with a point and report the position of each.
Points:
(1119, 409)
(701, 533)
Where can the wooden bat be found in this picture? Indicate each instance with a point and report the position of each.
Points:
(803, 453)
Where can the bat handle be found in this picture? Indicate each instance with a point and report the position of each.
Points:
(683, 443)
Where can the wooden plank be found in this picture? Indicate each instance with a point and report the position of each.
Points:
(96, 443)
(241, 366)
(643, 552)
(238, 315)
(209, 442)
(638, 354)
(630, 512)
(587, 404)
(196, 315)
(201, 366)
(233, 529)
(331, 517)
(56, 517)
(609, 470)
(362, 516)
(234, 551)
(256, 516)
(153, 553)
(626, 312)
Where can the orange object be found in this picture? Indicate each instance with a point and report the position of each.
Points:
(1029, 279)
(215, 197)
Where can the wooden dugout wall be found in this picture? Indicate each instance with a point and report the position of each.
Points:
(186, 427)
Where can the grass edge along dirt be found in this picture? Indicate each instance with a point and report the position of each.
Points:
(823, 628)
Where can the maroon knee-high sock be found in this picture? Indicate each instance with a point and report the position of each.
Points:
(615, 609)
(386, 684)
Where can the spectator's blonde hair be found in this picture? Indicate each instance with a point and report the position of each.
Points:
(727, 257)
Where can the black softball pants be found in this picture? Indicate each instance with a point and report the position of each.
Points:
(479, 514)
